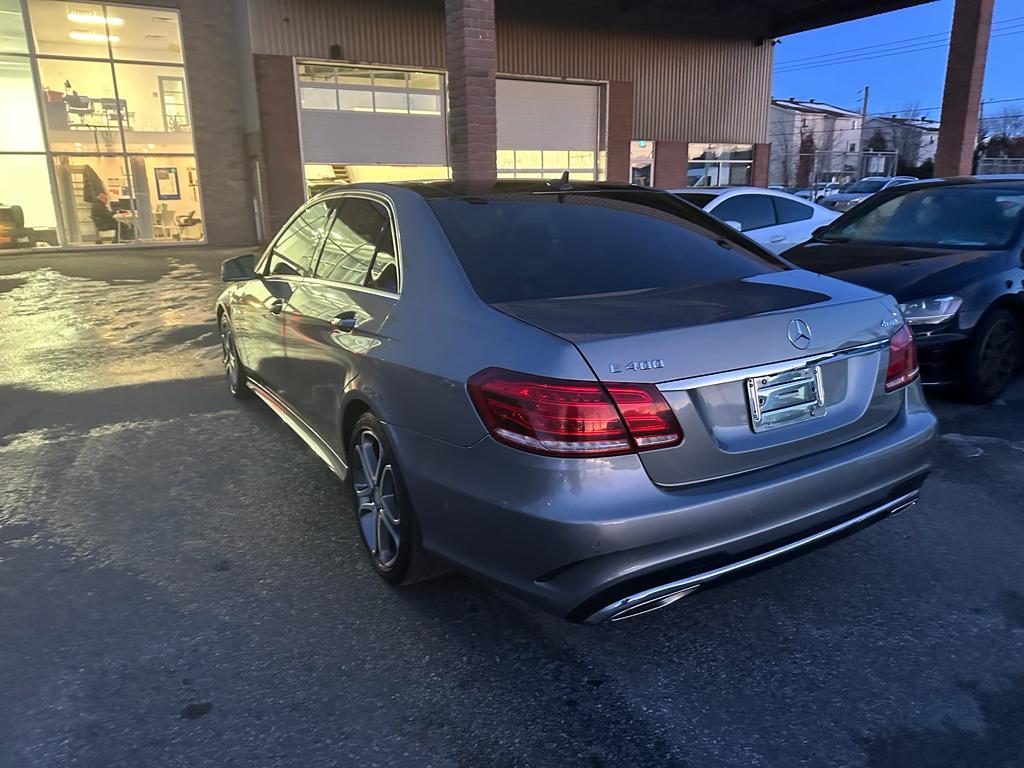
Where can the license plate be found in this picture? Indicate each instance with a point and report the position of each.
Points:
(785, 398)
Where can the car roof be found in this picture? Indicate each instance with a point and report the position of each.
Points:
(447, 188)
(1010, 180)
(717, 192)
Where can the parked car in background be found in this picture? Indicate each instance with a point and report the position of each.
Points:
(950, 251)
(595, 395)
(859, 191)
(818, 190)
(777, 220)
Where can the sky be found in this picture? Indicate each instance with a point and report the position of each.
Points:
(913, 77)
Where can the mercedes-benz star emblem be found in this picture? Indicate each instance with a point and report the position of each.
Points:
(799, 334)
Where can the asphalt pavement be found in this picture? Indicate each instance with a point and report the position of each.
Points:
(181, 584)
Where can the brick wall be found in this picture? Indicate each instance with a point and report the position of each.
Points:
(961, 98)
(208, 31)
(280, 156)
(762, 164)
(670, 163)
(472, 64)
(620, 129)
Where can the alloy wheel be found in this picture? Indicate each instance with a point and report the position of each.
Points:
(998, 355)
(229, 356)
(373, 479)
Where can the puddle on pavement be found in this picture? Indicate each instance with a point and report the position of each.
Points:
(73, 334)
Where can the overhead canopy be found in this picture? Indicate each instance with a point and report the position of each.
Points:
(729, 18)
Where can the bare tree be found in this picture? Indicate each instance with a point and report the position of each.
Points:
(1008, 122)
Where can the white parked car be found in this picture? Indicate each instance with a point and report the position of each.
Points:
(777, 220)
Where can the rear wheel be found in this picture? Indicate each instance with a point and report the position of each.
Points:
(993, 356)
(233, 368)
(384, 514)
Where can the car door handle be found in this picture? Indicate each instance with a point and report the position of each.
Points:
(277, 306)
(344, 323)
(776, 238)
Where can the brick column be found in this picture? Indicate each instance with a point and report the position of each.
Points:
(620, 129)
(671, 159)
(961, 98)
(762, 164)
(281, 158)
(472, 62)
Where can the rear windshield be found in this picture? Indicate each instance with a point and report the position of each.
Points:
(520, 247)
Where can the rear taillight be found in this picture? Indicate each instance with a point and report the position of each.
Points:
(902, 360)
(572, 418)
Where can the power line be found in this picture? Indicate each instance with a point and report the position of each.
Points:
(878, 56)
(995, 24)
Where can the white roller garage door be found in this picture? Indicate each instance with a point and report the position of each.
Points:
(546, 128)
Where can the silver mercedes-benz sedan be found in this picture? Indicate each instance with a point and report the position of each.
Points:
(596, 396)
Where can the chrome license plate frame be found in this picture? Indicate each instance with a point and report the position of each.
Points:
(786, 398)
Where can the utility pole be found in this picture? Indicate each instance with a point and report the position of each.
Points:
(863, 130)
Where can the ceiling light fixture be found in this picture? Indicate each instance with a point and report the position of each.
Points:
(92, 37)
(94, 18)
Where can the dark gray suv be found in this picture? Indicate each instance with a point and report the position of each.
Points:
(594, 395)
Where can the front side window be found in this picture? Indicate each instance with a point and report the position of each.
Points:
(524, 247)
(360, 236)
(751, 211)
(939, 217)
(293, 252)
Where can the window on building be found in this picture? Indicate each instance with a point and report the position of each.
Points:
(356, 89)
(111, 116)
(582, 164)
(719, 165)
(641, 163)
(853, 146)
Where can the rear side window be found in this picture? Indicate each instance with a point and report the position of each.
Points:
(751, 211)
(520, 247)
(295, 248)
(352, 242)
(787, 211)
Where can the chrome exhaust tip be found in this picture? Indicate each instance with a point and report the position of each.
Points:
(654, 604)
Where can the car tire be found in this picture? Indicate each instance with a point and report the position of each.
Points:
(383, 510)
(233, 368)
(992, 356)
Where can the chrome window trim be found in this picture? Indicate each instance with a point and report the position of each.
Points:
(770, 369)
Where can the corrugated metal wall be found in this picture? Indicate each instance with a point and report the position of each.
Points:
(687, 88)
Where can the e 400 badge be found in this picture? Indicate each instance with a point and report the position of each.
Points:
(637, 365)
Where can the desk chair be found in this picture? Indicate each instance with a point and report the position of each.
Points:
(184, 222)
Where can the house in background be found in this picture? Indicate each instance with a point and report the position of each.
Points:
(813, 141)
(913, 139)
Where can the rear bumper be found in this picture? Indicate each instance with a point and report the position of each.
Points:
(578, 537)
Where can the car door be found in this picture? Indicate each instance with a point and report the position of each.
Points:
(755, 214)
(260, 313)
(795, 223)
(337, 314)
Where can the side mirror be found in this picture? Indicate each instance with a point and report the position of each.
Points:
(238, 268)
(735, 225)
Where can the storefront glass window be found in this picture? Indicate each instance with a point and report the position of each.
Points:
(321, 177)
(27, 217)
(116, 160)
(20, 130)
(12, 27)
(719, 165)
